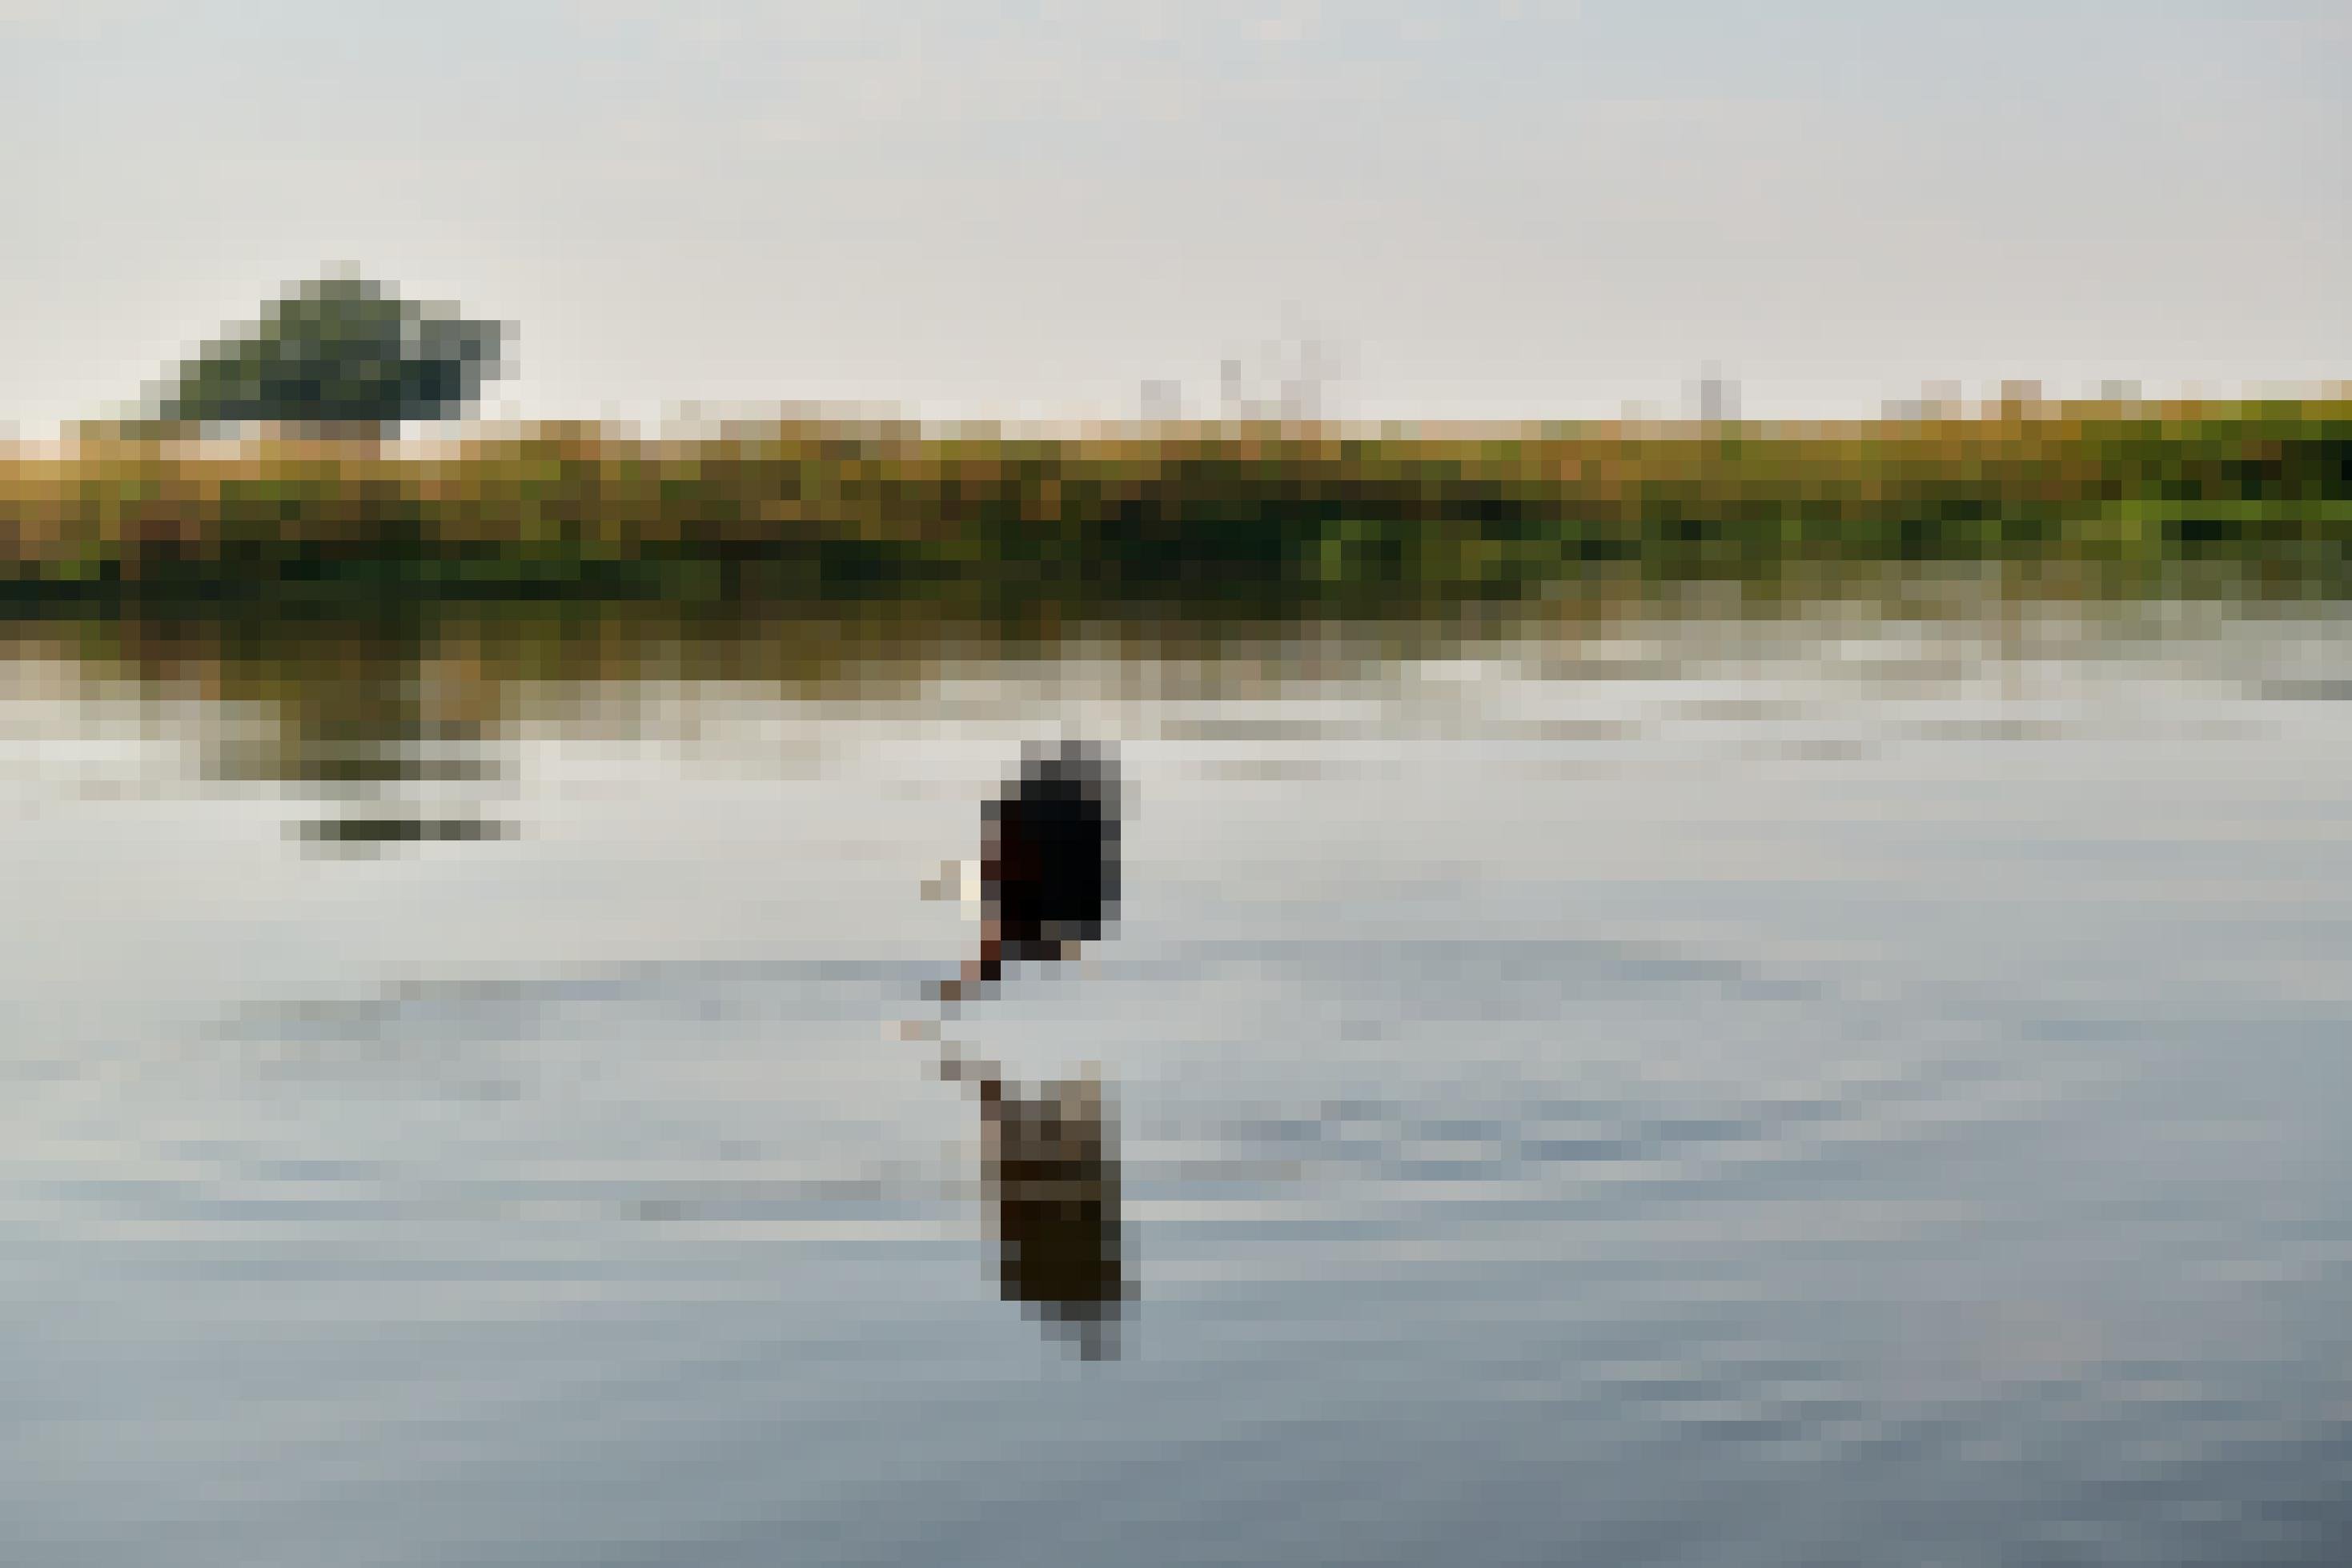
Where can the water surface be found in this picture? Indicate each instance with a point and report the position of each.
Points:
(1829, 1092)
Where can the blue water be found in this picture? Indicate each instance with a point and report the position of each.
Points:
(1864, 1099)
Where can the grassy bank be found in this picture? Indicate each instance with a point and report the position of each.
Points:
(1262, 517)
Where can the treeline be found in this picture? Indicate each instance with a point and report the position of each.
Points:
(1259, 516)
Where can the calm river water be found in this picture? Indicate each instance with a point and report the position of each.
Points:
(1832, 1092)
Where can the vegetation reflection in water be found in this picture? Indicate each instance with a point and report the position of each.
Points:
(363, 706)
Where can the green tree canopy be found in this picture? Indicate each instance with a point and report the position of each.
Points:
(341, 353)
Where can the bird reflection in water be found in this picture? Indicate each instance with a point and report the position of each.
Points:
(1051, 1164)
(1048, 882)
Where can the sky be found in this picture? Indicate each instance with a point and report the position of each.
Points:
(1488, 208)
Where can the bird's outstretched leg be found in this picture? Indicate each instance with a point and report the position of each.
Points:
(985, 970)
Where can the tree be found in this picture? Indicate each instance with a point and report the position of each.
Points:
(342, 353)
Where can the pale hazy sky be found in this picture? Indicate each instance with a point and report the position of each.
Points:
(1528, 207)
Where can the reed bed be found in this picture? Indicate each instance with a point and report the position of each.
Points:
(1265, 515)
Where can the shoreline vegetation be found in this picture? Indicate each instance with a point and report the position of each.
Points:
(1182, 519)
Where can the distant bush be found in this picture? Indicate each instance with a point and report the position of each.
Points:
(341, 354)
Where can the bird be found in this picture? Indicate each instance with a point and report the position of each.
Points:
(1049, 873)
(1049, 863)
